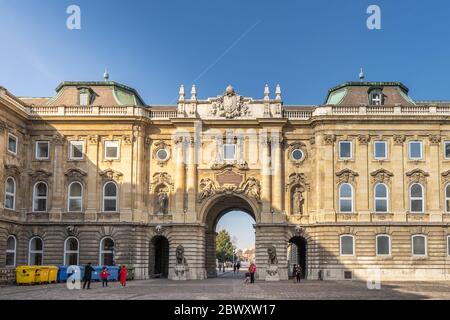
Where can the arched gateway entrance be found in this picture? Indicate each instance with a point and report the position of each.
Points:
(213, 211)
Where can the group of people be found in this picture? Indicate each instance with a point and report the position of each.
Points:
(297, 271)
(104, 275)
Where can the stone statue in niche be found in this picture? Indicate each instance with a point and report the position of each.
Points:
(272, 265)
(181, 266)
(298, 200)
(162, 200)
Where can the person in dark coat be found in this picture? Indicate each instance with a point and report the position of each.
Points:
(298, 273)
(87, 276)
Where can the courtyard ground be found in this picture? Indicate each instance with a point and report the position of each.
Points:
(230, 287)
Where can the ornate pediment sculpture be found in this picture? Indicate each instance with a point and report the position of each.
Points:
(110, 174)
(230, 105)
(297, 179)
(382, 176)
(250, 187)
(162, 178)
(12, 170)
(40, 174)
(75, 173)
(417, 176)
(346, 176)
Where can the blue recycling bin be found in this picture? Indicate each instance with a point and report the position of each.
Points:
(63, 275)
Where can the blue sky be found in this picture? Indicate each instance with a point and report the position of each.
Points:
(154, 46)
(240, 225)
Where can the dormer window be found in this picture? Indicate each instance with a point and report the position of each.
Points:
(376, 97)
(84, 97)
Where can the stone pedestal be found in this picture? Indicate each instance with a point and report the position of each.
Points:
(180, 273)
(272, 273)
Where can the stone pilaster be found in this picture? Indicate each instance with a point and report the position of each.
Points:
(362, 193)
(434, 203)
(277, 175)
(94, 186)
(180, 181)
(326, 176)
(191, 184)
(57, 187)
(266, 177)
(398, 198)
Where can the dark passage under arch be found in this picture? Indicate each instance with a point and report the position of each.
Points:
(298, 254)
(159, 257)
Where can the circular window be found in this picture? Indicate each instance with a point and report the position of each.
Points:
(162, 154)
(297, 155)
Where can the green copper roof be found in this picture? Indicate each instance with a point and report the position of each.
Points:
(123, 95)
(367, 84)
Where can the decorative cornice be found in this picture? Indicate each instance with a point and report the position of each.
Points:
(363, 139)
(75, 173)
(40, 174)
(162, 178)
(298, 179)
(434, 138)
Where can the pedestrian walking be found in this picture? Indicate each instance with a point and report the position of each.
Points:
(294, 273)
(123, 273)
(298, 274)
(87, 276)
(252, 271)
(234, 268)
(238, 266)
(104, 276)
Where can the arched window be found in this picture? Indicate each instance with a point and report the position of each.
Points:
(10, 194)
(110, 197)
(383, 245)
(106, 252)
(11, 246)
(40, 196)
(75, 197)
(347, 245)
(447, 198)
(71, 252)
(381, 198)
(36, 252)
(346, 198)
(416, 196)
(419, 245)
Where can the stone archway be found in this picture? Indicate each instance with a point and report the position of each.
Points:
(215, 209)
(298, 255)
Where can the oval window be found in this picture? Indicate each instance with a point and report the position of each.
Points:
(297, 155)
(162, 154)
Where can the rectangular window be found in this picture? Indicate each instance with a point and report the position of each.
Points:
(345, 149)
(347, 246)
(383, 246)
(42, 150)
(447, 150)
(76, 150)
(84, 99)
(229, 152)
(415, 150)
(111, 150)
(12, 143)
(419, 244)
(380, 150)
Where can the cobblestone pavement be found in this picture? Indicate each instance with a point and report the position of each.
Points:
(231, 287)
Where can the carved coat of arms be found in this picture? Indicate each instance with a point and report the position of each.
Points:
(230, 105)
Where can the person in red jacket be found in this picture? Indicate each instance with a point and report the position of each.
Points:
(104, 276)
(123, 273)
(252, 271)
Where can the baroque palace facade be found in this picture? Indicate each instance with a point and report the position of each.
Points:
(358, 184)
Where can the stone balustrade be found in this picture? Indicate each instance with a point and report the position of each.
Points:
(327, 110)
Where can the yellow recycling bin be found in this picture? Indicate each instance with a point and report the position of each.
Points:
(26, 274)
(42, 274)
(53, 274)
